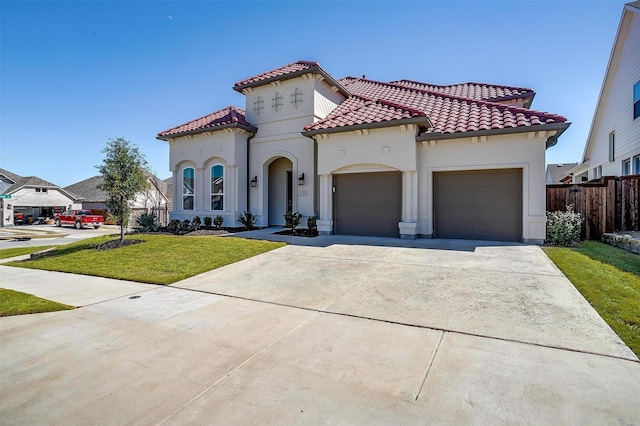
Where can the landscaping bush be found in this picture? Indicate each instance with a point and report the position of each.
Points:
(146, 223)
(247, 219)
(207, 221)
(185, 226)
(292, 220)
(195, 223)
(174, 226)
(217, 221)
(563, 228)
(312, 224)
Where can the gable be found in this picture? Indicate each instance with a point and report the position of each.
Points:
(614, 107)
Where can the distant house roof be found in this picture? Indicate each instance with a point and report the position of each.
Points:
(556, 173)
(91, 193)
(11, 182)
(225, 118)
(88, 189)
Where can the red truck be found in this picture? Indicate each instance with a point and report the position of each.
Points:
(79, 218)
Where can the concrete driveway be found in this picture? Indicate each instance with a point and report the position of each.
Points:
(352, 332)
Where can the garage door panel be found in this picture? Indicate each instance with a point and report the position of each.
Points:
(481, 204)
(368, 204)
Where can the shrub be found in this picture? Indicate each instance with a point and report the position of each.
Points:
(196, 222)
(292, 220)
(563, 228)
(217, 221)
(312, 224)
(146, 222)
(247, 219)
(173, 226)
(207, 221)
(185, 226)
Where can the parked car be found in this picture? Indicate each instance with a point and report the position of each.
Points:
(18, 218)
(79, 218)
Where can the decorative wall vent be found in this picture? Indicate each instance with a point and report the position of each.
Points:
(258, 105)
(296, 97)
(277, 102)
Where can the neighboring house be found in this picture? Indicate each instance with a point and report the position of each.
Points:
(366, 157)
(154, 200)
(169, 185)
(558, 173)
(33, 197)
(613, 145)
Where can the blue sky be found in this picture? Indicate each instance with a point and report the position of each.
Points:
(74, 73)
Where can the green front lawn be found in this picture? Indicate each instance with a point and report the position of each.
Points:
(19, 251)
(160, 259)
(609, 278)
(17, 303)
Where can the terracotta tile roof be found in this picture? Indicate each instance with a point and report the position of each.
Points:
(226, 117)
(292, 68)
(478, 91)
(359, 111)
(448, 114)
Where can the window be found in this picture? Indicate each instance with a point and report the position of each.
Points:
(217, 187)
(636, 100)
(626, 167)
(636, 165)
(597, 172)
(37, 189)
(612, 146)
(188, 186)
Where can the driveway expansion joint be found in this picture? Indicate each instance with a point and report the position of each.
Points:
(425, 327)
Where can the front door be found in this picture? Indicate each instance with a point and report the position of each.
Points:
(280, 190)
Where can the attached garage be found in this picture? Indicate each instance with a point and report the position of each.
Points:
(478, 204)
(367, 203)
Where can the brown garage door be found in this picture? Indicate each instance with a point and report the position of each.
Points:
(368, 204)
(479, 204)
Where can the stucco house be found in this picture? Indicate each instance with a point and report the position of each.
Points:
(400, 158)
(154, 200)
(33, 197)
(613, 144)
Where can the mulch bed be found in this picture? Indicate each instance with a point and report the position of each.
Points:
(112, 244)
(203, 232)
(298, 233)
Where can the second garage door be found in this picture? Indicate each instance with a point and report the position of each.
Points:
(478, 204)
(368, 204)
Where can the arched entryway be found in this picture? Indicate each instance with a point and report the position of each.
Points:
(280, 190)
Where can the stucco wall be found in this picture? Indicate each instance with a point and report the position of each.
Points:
(226, 147)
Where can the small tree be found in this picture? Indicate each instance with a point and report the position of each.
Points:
(123, 171)
(292, 220)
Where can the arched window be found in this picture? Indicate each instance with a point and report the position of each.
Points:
(217, 187)
(188, 188)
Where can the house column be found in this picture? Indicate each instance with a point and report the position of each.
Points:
(325, 222)
(408, 227)
(231, 188)
(201, 190)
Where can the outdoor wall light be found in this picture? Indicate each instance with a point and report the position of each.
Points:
(301, 179)
(254, 182)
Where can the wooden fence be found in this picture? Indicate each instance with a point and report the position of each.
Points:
(612, 204)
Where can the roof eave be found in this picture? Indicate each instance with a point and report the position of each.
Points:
(250, 129)
(294, 74)
(551, 141)
(420, 121)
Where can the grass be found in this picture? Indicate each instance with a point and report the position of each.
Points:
(17, 303)
(609, 278)
(160, 259)
(19, 251)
